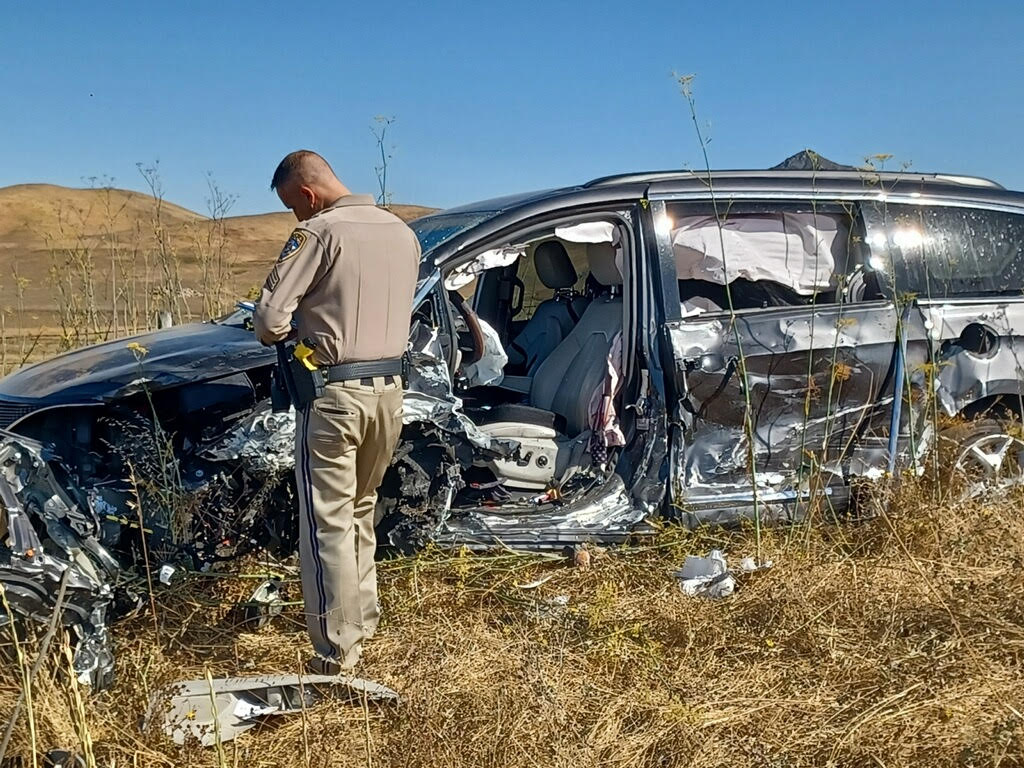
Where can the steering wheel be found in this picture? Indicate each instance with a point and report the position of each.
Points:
(474, 350)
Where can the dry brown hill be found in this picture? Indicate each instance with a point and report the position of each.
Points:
(69, 256)
(36, 218)
(32, 214)
(83, 265)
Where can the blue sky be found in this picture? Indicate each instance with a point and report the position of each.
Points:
(493, 98)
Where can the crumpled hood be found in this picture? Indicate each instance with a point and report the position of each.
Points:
(173, 356)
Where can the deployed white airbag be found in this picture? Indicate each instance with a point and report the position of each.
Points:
(490, 368)
(588, 232)
(496, 257)
(794, 249)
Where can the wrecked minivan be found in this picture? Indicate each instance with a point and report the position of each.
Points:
(587, 360)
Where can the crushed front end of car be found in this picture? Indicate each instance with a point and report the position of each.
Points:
(51, 560)
(75, 550)
(137, 482)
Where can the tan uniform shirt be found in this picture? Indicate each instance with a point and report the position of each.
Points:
(348, 274)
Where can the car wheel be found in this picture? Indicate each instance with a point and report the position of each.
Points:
(982, 458)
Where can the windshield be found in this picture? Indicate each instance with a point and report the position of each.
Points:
(241, 313)
(441, 227)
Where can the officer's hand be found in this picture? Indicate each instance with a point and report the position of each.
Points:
(290, 337)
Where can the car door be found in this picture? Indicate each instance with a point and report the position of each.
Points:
(784, 385)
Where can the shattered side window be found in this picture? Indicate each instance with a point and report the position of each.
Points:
(934, 251)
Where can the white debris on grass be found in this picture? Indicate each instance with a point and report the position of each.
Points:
(710, 576)
(219, 709)
(167, 572)
(552, 608)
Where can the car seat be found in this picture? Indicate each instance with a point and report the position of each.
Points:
(554, 317)
(553, 425)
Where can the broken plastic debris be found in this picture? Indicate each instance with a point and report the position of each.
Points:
(749, 565)
(246, 710)
(710, 576)
(706, 576)
(539, 582)
(223, 708)
(167, 573)
(263, 605)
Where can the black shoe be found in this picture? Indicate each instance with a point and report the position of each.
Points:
(318, 665)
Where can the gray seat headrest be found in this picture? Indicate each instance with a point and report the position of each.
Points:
(554, 268)
(602, 263)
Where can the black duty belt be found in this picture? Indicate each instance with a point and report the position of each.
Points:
(369, 369)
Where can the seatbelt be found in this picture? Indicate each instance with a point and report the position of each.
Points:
(571, 309)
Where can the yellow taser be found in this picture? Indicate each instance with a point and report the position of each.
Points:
(304, 353)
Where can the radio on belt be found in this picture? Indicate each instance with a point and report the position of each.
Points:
(309, 379)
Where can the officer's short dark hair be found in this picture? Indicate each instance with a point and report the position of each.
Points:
(303, 163)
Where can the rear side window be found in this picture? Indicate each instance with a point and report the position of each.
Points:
(757, 255)
(935, 251)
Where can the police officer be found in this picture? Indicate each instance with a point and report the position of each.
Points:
(347, 273)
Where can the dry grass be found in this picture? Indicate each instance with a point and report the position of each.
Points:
(896, 641)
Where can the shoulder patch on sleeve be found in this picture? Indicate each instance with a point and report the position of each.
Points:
(295, 241)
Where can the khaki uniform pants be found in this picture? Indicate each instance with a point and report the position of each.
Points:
(344, 441)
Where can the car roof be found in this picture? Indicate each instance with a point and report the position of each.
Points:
(506, 210)
(820, 183)
(859, 176)
(794, 181)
